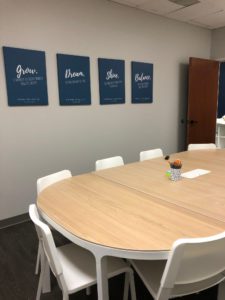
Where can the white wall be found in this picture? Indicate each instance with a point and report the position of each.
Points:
(35, 141)
(218, 43)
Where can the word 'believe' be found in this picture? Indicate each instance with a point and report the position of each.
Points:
(20, 71)
(69, 74)
(141, 77)
(111, 75)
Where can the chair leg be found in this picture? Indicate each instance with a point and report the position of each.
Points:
(221, 291)
(38, 259)
(41, 279)
(42, 262)
(46, 287)
(132, 285)
(126, 286)
(88, 291)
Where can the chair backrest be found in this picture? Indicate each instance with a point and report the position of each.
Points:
(110, 162)
(149, 154)
(46, 239)
(197, 263)
(201, 146)
(44, 182)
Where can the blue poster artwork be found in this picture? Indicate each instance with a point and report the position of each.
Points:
(111, 81)
(142, 82)
(74, 79)
(221, 99)
(25, 77)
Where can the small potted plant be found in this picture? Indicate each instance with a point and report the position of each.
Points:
(175, 168)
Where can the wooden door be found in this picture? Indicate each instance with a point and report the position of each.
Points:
(202, 100)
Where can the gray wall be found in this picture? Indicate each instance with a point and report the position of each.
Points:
(218, 43)
(36, 141)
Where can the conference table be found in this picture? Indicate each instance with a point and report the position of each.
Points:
(135, 211)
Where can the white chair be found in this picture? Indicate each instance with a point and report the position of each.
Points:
(73, 266)
(46, 181)
(150, 154)
(201, 146)
(110, 162)
(193, 265)
(43, 183)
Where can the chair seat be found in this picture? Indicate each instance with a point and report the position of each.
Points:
(151, 273)
(187, 289)
(79, 267)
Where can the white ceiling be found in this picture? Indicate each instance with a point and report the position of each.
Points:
(205, 13)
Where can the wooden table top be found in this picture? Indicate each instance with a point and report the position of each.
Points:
(137, 207)
(204, 194)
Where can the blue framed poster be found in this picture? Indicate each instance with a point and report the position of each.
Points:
(142, 82)
(111, 81)
(221, 98)
(74, 79)
(25, 77)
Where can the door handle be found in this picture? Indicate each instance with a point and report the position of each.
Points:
(188, 121)
(192, 122)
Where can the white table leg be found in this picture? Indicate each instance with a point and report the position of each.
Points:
(102, 280)
(221, 291)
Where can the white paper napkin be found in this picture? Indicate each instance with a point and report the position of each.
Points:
(195, 173)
